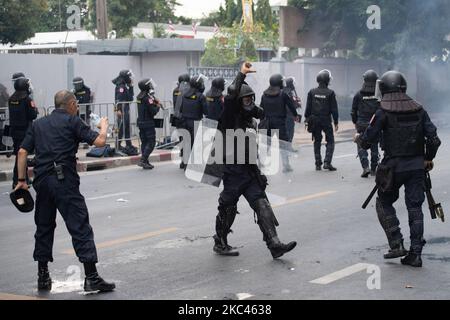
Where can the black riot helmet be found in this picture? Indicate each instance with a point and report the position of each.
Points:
(391, 82)
(290, 83)
(146, 85)
(184, 78)
(370, 76)
(324, 77)
(22, 84)
(78, 83)
(197, 82)
(277, 81)
(17, 76)
(219, 83)
(126, 75)
(370, 81)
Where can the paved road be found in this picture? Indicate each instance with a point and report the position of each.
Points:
(156, 241)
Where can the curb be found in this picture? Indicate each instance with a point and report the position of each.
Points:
(104, 164)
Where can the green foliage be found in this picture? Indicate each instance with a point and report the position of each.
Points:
(263, 13)
(55, 17)
(125, 14)
(232, 45)
(20, 19)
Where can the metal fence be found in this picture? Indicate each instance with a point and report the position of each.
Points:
(163, 133)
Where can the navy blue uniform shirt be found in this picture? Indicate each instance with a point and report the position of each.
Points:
(55, 139)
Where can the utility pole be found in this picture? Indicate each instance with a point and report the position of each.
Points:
(102, 19)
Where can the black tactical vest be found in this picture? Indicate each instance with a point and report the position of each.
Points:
(366, 109)
(274, 106)
(83, 96)
(321, 106)
(146, 110)
(192, 108)
(215, 107)
(403, 135)
(18, 112)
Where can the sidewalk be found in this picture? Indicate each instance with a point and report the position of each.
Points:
(86, 164)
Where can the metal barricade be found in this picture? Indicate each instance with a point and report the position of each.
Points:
(6, 147)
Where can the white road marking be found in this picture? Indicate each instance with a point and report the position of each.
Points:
(109, 196)
(345, 156)
(344, 273)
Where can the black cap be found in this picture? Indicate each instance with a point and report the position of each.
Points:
(246, 91)
(22, 200)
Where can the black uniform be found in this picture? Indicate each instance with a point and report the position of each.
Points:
(147, 110)
(193, 108)
(215, 99)
(365, 105)
(84, 97)
(408, 138)
(244, 179)
(124, 93)
(55, 140)
(22, 112)
(290, 119)
(322, 109)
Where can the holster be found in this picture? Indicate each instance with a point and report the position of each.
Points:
(385, 177)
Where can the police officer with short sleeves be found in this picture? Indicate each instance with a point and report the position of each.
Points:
(55, 141)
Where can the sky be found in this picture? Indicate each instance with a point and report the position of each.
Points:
(198, 8)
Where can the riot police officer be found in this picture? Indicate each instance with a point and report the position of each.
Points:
(410, 143)
(55, 140)
(176, 119)
(193, 108)
(22, 112)
(321, 109)
(215, 99)
(148, 108)
(365, 105)
(124, 92)
(240, 112)
(20, 75)
(290, 119)
(84, 96)
(275, 102)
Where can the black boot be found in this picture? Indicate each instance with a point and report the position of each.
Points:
(223, 249)
(224, 221)
(267, 223)
(329, 166)
(278, 249)
(145, 165)
(94, 283)
(397, 252)
(44, 280)
(413, 260)
(365, 173)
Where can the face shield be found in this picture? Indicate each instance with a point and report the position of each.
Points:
(78, 85)
(30, 87)
(152, 84)
(378, 93)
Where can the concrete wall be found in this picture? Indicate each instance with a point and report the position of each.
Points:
(50, 73)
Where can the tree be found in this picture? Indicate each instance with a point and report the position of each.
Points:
(19, 19)
(230, 13)
(55, 17)
(125, 14)
(263, 13)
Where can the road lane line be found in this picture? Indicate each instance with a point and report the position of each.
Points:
(344, 273)
(305, 198)
(345, 156)
(109, 196)
(138, 237)
(14, 297)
